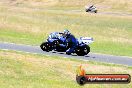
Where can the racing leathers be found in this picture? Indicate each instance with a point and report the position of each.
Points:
(71, 43)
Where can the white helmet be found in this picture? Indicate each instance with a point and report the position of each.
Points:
(66, 32)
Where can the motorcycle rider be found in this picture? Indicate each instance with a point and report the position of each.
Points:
(71, 42)
(92, 7)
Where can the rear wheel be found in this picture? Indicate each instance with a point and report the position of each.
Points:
(87, 10)
(46, 46)
(82, 50)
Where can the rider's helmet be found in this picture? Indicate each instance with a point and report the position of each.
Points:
(66, 31)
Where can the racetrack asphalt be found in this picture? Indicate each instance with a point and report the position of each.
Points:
(122, 60)
(99, 12)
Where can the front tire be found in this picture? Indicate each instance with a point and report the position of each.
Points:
(95, 11)
(45, 46)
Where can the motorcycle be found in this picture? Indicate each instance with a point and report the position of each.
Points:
(92, 9)
(58, 43)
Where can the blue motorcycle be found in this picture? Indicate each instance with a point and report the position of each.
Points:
(58, 43)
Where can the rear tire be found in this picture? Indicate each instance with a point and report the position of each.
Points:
(82, 50)
(86, 10)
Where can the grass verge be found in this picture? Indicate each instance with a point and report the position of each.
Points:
(24, 70)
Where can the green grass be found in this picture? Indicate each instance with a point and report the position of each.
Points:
(39, 71)
(112, 48)
(29, 24)
(20, 37)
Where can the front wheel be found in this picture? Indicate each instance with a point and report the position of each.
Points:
(95, 11)
(82, 50)
(45, 46)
